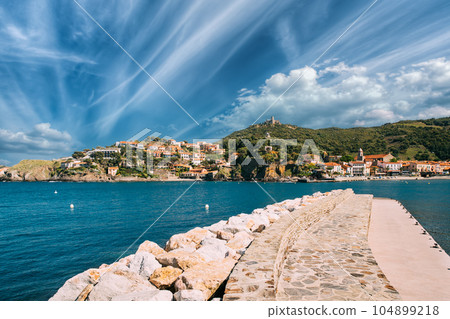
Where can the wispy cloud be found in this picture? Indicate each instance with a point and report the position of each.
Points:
(57, 67)
(41, 140)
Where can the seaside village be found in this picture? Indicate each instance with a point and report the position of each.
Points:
(203, 160)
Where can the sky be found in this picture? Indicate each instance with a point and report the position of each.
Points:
(203, 69)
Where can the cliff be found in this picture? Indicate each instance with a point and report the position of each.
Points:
(30, 171)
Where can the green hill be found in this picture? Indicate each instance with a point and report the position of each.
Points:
(418, 139)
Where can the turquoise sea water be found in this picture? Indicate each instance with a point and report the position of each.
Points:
(43, 242)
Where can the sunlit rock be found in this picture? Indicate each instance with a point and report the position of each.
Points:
(164, 277)
(150, 247)
(144, 264)
(180, 259)
(191, 239)
(207, 277)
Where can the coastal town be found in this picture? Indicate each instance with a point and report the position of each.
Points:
(203, 160)
(261, 152)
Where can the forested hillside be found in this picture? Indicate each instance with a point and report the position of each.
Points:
(418, 139)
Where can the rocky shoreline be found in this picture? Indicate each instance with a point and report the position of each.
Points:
(192, 266)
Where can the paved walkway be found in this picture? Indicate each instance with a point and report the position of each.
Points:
(416, 270)
(333, 260)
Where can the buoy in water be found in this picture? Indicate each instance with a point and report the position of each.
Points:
(56, 192)
(72, 206)
(206, 207)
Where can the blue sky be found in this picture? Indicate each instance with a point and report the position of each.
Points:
(65, 85)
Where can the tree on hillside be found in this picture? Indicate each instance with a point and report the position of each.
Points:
(115, 160)
(97, 157)
(78, 155)
(346, 158)
(422, 156)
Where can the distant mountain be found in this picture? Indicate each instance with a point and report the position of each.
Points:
(417, 139)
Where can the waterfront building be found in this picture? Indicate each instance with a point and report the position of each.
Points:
(333, 168)
(391, 168)
(113, 170)
(359, 168)
(422, 167)
(195, 173)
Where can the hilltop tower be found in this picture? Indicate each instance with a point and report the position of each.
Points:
(272, 121)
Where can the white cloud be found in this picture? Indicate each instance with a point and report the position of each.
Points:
(15, 33)
(435, 111)
(41, 140)
(342, 68)
(351, 97)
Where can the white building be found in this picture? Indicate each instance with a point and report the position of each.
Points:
(333, 168)
(107, 152)
(390, 166)
(359, 168)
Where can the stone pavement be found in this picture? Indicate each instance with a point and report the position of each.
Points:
(319, 252)
(256, 275)
(333, 260)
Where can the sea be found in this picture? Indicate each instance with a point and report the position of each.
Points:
(44, 242)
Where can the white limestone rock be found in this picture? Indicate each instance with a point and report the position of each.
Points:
(150, 247)
(273, 217)
(261, 222)
(189, 295)
(188, 249)
(213, 249)
(240, 241)
(241, 222)
(291, 204)
(190, 239)
(214, 228)
(317, 194)
(206, 277)
(180, 259)
(117, 283)
(221, 234)
(144, 264)
(75, 285)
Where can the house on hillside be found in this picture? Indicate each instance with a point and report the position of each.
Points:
(108, 153)
(73, 164)
(113, 170)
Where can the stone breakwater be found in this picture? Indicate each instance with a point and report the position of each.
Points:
(318, 253)
(194, 265)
